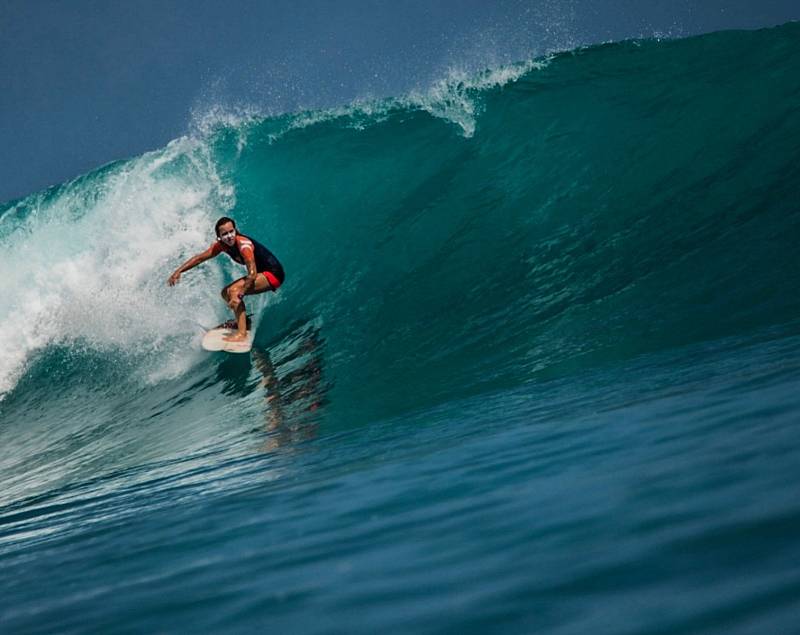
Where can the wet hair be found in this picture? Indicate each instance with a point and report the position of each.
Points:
(221, 222)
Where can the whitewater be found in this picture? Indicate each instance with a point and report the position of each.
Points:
(534, 367)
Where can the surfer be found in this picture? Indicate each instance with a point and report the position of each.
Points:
(264, 272)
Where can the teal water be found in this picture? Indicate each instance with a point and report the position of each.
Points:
(534, 367)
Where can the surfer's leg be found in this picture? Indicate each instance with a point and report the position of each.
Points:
(231, 295)
(261, 285)
(240, 314)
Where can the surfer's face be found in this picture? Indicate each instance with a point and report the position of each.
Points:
(227, 234)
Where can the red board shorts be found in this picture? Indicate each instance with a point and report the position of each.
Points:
(273, 281)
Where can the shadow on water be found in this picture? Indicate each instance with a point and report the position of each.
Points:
(291, 375)
(233, 373)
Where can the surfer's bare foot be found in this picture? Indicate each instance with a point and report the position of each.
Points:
(236, 337)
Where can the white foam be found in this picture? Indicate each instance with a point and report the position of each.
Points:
(206, 119)
(455, 98)
(89, 264)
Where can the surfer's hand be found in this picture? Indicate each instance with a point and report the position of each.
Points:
(174, 278)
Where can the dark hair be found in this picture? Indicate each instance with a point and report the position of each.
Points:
(221, 222)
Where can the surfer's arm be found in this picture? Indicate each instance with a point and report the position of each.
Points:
(249, 256)
(192, 262)
(250, 280)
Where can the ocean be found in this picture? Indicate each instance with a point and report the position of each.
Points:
(535, 366)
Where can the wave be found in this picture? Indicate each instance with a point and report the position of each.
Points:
(506, 226)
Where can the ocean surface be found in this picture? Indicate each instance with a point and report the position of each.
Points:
(535, 367)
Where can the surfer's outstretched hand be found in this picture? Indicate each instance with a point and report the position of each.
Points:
(174, 278)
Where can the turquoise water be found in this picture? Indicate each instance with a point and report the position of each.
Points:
(534, 366)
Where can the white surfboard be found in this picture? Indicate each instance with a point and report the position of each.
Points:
(214, 340)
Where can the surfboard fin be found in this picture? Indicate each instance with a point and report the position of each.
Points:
(231, 324)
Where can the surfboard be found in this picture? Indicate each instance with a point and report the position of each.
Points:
(214, 340)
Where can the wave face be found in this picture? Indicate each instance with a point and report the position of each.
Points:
(526, 225)
(605, 202)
